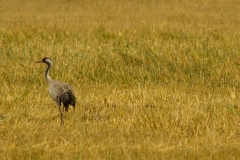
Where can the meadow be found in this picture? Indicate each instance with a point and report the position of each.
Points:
(153, 79)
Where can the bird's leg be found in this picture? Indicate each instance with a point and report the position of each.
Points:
(64, 110)
(61, 116)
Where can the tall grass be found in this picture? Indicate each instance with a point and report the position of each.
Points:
(153, 79)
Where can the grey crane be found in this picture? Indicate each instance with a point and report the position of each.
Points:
(60, 92)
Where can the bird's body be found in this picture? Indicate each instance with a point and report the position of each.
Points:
(60, 92)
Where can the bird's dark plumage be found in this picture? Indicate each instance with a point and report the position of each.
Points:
(67, 98)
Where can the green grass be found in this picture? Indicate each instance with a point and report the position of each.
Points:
(153, 80)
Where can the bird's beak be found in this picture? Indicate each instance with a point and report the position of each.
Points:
(38, 62)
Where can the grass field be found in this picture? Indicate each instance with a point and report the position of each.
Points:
(153, 79)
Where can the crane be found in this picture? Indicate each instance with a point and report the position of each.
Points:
(60, 92)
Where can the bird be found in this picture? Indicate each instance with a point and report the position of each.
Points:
(60, 92)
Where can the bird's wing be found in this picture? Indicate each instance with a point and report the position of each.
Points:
(57, 88)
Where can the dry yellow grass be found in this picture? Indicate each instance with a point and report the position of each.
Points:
(153, 79)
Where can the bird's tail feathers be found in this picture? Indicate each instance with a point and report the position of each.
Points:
(67, 98)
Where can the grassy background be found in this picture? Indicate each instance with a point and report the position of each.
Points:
(153, 79)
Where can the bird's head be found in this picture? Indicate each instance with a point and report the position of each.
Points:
(45, 60)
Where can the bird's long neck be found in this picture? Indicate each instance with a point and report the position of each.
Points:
(48, 78)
